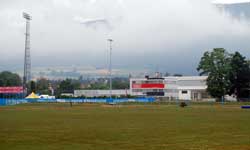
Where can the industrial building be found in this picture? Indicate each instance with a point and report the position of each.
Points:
(172, 88)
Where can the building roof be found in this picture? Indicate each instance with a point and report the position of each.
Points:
(192, 87)
(187, 78)
(176, 78)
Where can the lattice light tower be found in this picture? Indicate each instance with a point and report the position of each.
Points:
(27, 60)
(110, 67)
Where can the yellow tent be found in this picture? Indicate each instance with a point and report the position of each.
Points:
(32, 96)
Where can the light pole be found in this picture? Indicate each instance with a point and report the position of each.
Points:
(110, 68)
(27, 61)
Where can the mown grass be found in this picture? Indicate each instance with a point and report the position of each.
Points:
(124, 127)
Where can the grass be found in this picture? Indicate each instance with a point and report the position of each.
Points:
(124, 127)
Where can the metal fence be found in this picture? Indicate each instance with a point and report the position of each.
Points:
(6, 102)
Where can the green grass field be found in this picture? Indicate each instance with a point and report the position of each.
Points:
(124, 127)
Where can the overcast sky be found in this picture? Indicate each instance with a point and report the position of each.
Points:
(170, 35)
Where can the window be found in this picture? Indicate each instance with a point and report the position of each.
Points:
(184, 92)
(137, 90)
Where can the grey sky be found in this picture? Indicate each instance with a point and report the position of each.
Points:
(168, 34)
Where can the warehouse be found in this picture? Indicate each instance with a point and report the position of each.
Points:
(183, 88)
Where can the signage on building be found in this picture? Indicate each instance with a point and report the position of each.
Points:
(11, 90)
(148, 86)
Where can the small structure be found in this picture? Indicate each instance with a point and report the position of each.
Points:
(47, 97)
(32, 96)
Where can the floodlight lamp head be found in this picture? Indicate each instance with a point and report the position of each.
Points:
(26, 16)
(110, 40)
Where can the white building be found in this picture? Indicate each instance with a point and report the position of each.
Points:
(182, 88)
(98, 93)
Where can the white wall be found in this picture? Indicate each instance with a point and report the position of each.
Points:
(175, 85)
(185, 96)
(92, 93)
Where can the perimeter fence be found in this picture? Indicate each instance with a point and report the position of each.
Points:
(7, 102)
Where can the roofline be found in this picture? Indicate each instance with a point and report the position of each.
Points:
(174, 77)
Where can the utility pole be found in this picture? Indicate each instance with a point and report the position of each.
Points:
(110, 67)
(27, 60)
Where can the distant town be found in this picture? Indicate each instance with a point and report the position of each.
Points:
(74, 72)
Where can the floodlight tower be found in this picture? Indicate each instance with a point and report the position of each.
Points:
(110, 67)
(27, 60)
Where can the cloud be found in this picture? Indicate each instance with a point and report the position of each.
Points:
(165, 33)
(230, 1)
(94, 23)
(62, 3)
(235, 9)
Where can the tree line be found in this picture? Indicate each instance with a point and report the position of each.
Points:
(228, 73)
(10, 79)
(56, 87)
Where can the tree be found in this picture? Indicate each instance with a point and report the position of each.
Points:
(43, 86)
(32, 86)
(99, 86)
(120, 83)
(10, 79)
(68, 86)
(239, 76)
(216, 65)
(177, 75)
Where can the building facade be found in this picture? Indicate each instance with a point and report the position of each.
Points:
(172, 88)
(99, 93)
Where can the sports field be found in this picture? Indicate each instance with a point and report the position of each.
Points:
(124, 127)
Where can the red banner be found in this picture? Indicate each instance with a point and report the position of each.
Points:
(11, 90)
(148, 86)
